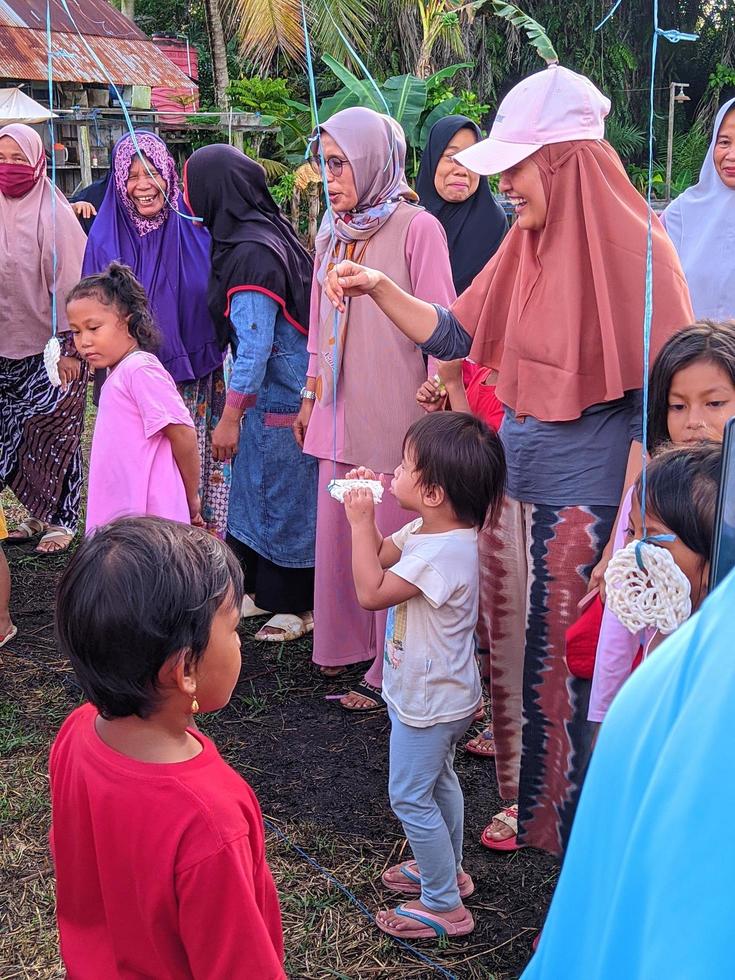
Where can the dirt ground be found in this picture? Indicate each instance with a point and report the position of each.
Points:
(320, 775)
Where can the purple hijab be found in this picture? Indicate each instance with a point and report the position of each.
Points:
(168, 254)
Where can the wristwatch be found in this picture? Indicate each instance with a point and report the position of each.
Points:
(307, 395)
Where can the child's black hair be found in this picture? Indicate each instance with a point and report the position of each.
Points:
(462, 455)
(136, 593)
(118, 287)
(705, 340)
(681, 491)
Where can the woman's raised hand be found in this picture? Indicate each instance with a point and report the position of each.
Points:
(348, 279)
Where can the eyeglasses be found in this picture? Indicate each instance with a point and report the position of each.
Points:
(335, 165)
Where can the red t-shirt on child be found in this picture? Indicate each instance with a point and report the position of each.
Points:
(160, 868)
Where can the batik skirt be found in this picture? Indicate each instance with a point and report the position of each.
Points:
(535, 566)
(40, 440)
(205, 399)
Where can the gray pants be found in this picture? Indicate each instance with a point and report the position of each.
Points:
(426, 797)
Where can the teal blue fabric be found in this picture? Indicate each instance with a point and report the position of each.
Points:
(645, 892)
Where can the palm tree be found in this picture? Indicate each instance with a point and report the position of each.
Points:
(266, 28)
(218, 49)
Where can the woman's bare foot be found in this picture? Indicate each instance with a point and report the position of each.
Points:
(482, 744)
(330, 672)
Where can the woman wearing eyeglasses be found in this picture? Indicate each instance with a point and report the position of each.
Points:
(362, 377)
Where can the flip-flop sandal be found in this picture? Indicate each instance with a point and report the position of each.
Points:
(31, 528)
(248, 609)
(411, 880)
(8, 636)
(429, 925)
(54, 534)
(365, 691)
(484, 736)
(509, 817)
(291, 627)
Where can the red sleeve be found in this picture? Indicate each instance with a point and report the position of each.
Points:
(229, 919)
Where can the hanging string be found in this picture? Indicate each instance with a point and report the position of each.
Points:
(674, 37)
(126, 114)
(52, 138)
(355, 900)
(317, 139)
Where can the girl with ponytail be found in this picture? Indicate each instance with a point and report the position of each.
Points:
(145, 458)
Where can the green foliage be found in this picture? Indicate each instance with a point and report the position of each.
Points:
(627, 138)
(282, 190)
(268, 96)
(536, 34)
(722, 77)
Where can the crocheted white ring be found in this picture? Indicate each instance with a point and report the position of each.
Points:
(658, 596)
(51, 357)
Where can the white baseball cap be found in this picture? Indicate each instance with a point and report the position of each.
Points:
(551, 106)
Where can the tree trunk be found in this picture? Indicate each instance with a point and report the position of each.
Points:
(218, 49)
(127, 8)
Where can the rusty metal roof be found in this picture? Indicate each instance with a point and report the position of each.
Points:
(129, 61)
(96, 17)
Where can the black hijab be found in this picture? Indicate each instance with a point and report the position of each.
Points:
(253, 245)
(475, 227)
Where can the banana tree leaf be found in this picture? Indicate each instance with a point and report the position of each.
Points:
(449, 72)
(406, 96)
(344, 99)
(537, 36)
(365, 91)
(445, 108)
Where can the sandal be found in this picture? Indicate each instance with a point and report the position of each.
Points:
(368, 692)
(411, 883)
(429, 925)
(289, 626)
(27, 531)
(8, 636)
(248, 609)
(486, 738)
(53, 534)
(509, 817)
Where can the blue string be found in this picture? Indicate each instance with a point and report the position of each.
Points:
(128, 120)
(363, 68)
(356, 901)
(52, 136)
(332, 226)
(674, 37)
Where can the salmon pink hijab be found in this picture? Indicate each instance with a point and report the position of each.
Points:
(559, 312)
(27, 255)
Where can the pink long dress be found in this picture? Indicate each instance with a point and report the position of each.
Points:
(375, 404)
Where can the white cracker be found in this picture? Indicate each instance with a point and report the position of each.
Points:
(338, 488)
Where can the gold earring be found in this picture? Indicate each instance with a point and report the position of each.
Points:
(194, 706)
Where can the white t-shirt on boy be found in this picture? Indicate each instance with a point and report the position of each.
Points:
(430, 673)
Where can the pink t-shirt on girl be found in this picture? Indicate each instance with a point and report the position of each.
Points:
(132, 470)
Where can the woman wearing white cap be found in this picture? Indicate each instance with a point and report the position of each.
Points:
(701, 224)
(558, 313)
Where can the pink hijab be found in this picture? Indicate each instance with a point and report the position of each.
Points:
(27, 256)
(376, 149)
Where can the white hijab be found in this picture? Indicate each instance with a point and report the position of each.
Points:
(701, 224)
